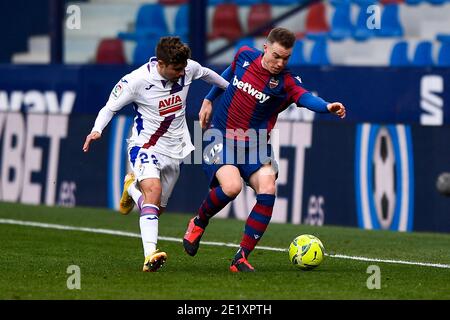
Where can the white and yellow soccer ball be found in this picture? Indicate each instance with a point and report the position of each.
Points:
(306, 252)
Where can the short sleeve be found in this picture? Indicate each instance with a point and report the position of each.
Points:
(293, 88)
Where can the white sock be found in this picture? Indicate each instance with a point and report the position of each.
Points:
(149, 227)
(135, 193)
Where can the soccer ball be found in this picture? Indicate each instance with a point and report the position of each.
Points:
(443, 183)
(306, 252)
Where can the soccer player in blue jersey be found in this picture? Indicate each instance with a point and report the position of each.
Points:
(260, 88)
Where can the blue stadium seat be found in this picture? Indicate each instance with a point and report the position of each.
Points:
(413, 2)
(399, 55)
(364, 2)
(444, 55)
(442, 37)
(283, 2)
(246, 2)
(250, 42)
(319, 53)
(390, 22)
(297, 57)
(215, 2)
(341, 25)
(182, 23)
(436, 2)
(150, 22)
(338, 2)
(144, 50)
(423, 54)
(360, 31)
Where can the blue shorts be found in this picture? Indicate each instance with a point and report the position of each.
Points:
(248, 159)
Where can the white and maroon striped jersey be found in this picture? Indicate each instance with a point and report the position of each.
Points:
(160, 107)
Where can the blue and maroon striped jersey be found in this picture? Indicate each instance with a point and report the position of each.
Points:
(254, 97)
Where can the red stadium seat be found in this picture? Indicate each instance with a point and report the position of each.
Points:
(172, 2)
(391, 1)
(316, 21)
(110, 51)
(259, 15)
(225, 22)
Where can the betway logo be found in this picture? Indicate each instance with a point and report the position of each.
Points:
(34, 101)
(247, 88)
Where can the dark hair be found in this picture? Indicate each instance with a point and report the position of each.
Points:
(283, 36)
(172, 51)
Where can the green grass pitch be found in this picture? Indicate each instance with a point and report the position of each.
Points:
(34, 260)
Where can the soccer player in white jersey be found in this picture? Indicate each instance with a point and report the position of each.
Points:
(160, 138)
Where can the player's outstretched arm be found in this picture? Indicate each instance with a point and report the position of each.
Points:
(337, 108)
(317, 104)
(103, 118)
(205, 113)
(120, 96)
(206, 109)
(94, 135)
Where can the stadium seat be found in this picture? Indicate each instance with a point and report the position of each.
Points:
(364, 2)
(144, 50)
(384, 2)
(390, 22)
(399, 55)
(150, 22)
(110, 51)
(225, 22)
(259, 15)
(249, 42)
(172, 2)
(297, 57)
(436, 2)
(215, 2)
(341, 25)
(361, 32)
(316, 24)
(283, 2)
(423, 54)
(442, 37)
(182, 23)
(339, 2)
(319, 53)
(246, 2)
(443, 59)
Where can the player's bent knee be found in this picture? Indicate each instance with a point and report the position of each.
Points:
(268, 188)
(232, 189)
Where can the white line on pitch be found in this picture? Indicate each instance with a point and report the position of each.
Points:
(222, 244)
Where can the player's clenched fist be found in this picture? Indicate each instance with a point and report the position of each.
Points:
(337, 108)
